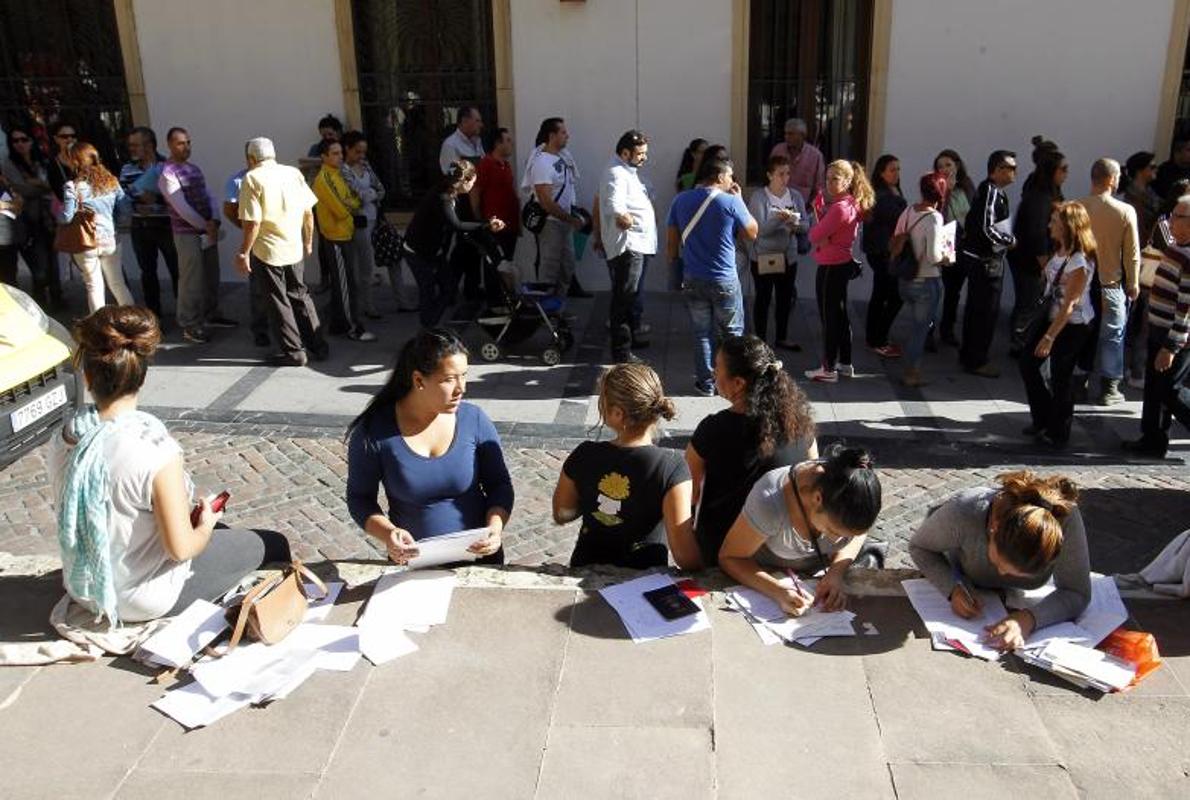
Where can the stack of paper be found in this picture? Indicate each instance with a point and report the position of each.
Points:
(947, 627)
(449, 548)
(643, 622)
(1082, 666)
(401, 602)
(773, 625)
(189, 632)
(1103, 614)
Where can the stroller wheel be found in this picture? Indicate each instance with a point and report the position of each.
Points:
(489, 351)
(551, 356)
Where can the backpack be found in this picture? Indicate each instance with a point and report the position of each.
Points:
(902, 262)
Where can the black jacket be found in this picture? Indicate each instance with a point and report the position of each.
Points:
(879, 227)
(981, 237)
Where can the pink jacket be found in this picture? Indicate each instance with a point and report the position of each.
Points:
(834, 233)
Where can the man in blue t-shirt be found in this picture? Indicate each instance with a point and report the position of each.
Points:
(701, 230)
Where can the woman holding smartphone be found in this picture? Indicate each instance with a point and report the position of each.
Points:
(129, 548)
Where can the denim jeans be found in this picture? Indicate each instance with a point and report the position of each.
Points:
(922, 299)
(716, 311)
(1113, 309)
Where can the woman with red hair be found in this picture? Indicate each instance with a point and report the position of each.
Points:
(95, 192)
(920, 228)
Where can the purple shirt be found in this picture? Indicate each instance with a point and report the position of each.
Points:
(185, 191)
(807, 170)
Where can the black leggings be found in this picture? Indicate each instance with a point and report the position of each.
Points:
(1052, 406)
(228, 557)
(784, 286)
(885, 301)
(830, 287)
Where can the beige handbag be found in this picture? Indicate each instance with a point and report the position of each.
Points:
(273, 607)
(770, 263)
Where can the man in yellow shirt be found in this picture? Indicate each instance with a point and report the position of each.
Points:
(337, 207)
(275, 210)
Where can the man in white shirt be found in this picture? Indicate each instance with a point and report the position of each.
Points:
(465, 143)
(551, 177)
(628, 231)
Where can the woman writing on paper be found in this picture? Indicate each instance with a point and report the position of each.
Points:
(816, 513)
(439, 459)
(130, 550)
(1018, 535)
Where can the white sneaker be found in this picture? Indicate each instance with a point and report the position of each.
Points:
(845, 370)
(823, 375)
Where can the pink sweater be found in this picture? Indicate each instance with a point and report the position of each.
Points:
(834, 233)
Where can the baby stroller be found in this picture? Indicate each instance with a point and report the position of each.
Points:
(526, 309)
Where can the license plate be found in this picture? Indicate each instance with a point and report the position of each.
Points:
(29, 413)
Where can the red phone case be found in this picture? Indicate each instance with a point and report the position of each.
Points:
(217, 504)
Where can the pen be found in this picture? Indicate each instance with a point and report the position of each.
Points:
(798, 585)
(957, 574)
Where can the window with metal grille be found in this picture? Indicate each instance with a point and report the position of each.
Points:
(61, 59)
(420, 61)
(808, 59)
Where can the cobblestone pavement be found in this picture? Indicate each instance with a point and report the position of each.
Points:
(292, 479)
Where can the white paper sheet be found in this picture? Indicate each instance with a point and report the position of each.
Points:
(403, 599)
(320, 609)
(934, 609)
(338, 646)
(806, 629)
(949, 234)
(190, 631)
(643, 622)
(1083, 665)
(251, 669)
(380, 644)
(1104, 614)
(448, 548)
(192, 707)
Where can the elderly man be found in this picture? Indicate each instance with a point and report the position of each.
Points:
(628, 231)
(465, 142)
(1166, 395)
(275, 214)
(1117, 253)
(807, 168)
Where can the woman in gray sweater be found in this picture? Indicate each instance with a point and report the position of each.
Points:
(1018, 536)
(783, 221)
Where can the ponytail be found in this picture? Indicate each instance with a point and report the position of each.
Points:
(777, 409)
(1029, 532)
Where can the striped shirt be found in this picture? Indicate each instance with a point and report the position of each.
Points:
(1169, 299)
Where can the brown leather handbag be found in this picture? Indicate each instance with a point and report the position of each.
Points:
(78, 235)
(273, 607)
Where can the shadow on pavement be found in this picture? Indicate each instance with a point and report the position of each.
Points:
(27, 602)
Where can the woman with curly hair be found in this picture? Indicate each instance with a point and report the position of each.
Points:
(1017, 535)
(95, 192)
(770, 424)
(131, 548)
(633, 496)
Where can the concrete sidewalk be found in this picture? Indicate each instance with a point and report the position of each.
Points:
(536, 692)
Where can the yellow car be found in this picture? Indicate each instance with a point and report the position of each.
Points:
(38, 384)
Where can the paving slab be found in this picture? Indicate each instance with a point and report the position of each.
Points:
(928, 703)
(1135, 748)
(981, 781)
(465, 716)
(81, 747)
(153, 785)
(630, 763)
(781, 713)
(609, 680)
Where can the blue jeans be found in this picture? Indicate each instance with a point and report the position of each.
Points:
(922, 300)
(1113, 321)
(716, 311)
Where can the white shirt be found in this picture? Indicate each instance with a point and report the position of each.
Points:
(458, 146)
(556, 170)
(928, 247)
(147, 581)
(1084, 311)
(622, 192)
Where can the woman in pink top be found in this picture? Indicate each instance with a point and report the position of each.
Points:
(847, 200)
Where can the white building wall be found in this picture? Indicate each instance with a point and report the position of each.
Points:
(228, 70)
(663, 66)
(977, 76)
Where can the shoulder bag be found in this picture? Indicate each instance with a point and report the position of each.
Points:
(902, 262)
(78, 235)
(273, 607)
(533, 214)
(1036, 317)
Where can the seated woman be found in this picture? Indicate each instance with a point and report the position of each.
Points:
(811, 515)
(1018, 535)
(128, 548)
(438, 458)
(770, 424)
(633, 496)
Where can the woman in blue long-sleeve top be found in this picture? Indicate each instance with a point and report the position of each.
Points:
(95, 192)
(439, 459)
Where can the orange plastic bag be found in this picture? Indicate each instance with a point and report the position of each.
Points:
(1135, 647)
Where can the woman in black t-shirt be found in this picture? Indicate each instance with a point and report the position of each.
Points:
(633, 497)
(770, 424)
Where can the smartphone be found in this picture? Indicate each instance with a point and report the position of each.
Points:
(671, 602)
(217, 504)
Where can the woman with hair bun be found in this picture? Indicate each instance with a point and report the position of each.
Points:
(770, 424)
(633, 496)
(813, 514)
(129, 549)
(1018, 535)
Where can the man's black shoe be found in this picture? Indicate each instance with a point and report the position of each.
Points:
(288, 359)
